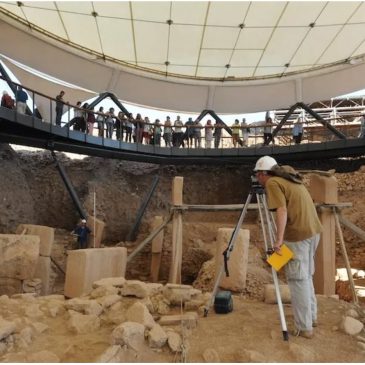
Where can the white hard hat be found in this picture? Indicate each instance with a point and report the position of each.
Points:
(265, 163)
(83, 221)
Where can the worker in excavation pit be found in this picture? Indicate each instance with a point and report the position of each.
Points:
(82, 232)
(299, 227)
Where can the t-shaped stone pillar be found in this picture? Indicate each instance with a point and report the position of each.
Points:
(323, 189)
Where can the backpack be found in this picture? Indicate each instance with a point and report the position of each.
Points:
(288, 173)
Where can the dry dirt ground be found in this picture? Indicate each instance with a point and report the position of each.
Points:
(251, 333)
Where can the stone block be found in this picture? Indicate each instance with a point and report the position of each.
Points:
(103, 291)
(177, 294)
(32, 286)
(43, 272)
(188, 319)
(84, 306)
(238, 260)
(139, 313)
(10, 286)
(46, 236)
(174, 341)
(130, 334)
(112, 354)
(18, 256)
(177, 190)
(156, 246)
(6, 328)
(116, 314)
(117, 282)
(352, 326)
(97, 228)
(135, 288)
(270, 294)
(325, 259)
(157, 337)
(108, 300)
(83, 323)
(323, 189)
(154, 288)
(84, 267)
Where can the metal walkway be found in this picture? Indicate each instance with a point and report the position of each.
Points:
(30, 131)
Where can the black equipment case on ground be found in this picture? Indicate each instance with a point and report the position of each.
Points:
(223, 302)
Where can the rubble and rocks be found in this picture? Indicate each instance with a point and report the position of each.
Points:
(270, 294)
(139, 313)
(352, 326)
(157, 336)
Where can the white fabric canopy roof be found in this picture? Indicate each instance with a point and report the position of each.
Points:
(227, 56)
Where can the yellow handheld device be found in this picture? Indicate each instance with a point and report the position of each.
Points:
(278, 260)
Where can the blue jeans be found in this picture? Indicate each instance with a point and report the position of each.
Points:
(82, 244)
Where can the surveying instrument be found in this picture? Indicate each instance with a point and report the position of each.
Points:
(268, 228)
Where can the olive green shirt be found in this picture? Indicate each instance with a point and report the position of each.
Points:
(302, 221)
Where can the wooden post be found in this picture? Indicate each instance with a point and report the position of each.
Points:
(157, 243)
(323, 189)
(94, 239)
(346, 258)
(177, 199)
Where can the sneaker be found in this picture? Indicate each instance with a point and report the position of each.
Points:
(301, 333)
(314, 324)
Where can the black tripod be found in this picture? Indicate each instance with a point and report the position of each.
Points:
(268, 229)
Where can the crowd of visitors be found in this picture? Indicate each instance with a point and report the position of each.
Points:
(126, 127)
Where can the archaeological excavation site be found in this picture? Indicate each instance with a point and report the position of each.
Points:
(142, 289)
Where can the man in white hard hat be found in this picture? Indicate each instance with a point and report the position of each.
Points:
(82, 231)
(298, 225)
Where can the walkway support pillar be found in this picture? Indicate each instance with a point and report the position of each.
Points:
(176, 254)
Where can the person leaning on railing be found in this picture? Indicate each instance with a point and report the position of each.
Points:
(268, 131)
(7, 101)
(217, 133)
(298, 131)
(59, 107)
(129, 128)
(109, 121)
(167, 132)
(157, 132)
(119, 126)
(208, 134)
(100, 119)
(90, 121)
(235, 132)
(245, 132)
(189, 132)
(146, 135)
(21, 100)
(197, 134)
(177, 137)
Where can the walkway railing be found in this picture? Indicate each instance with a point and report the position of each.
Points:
(43, 107)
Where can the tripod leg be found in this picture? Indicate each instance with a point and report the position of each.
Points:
(228, 252)
(263, 206)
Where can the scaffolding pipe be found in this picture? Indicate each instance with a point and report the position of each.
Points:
(69, 187)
